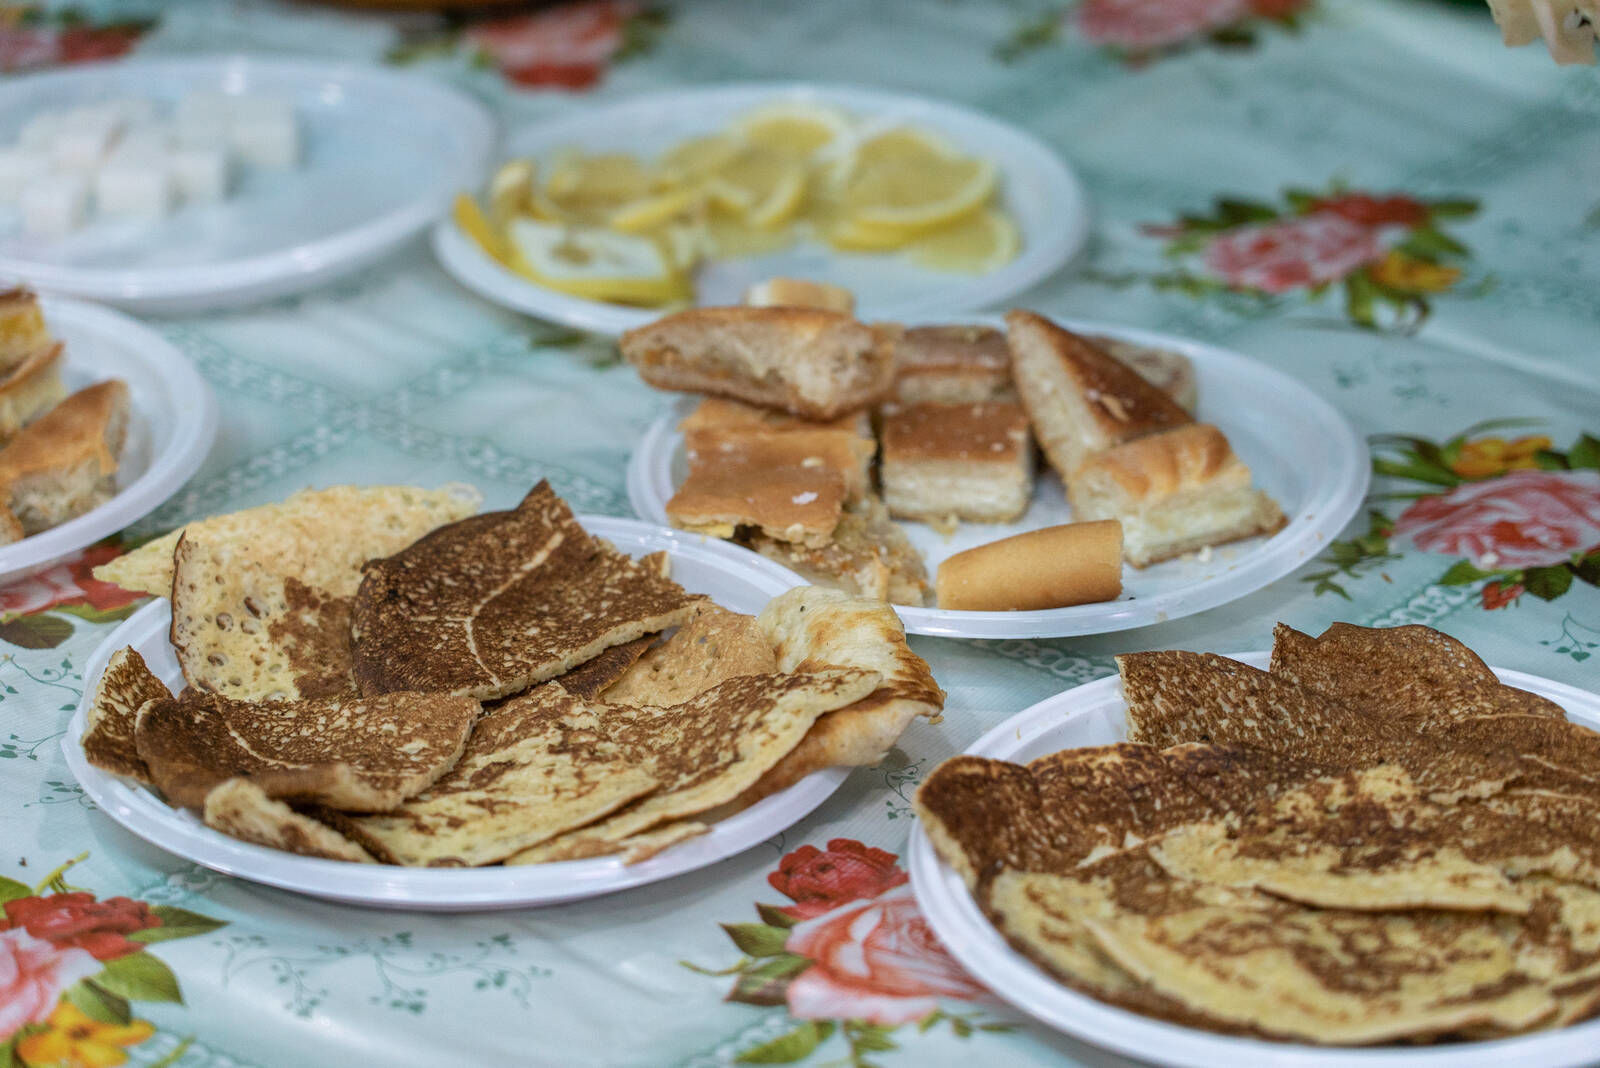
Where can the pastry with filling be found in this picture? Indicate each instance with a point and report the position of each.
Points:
(944, 462)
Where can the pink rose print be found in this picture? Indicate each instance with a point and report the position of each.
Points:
(1523, 519)
(874, 960)
(818, 881)
(67, 583)
(1147, 25)
(1276, 257)
(33, 975)
(32, 38)
(77, 920)
(566, 47)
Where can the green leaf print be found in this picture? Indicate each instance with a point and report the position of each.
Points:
(797, 1045)
(140, 977)
(97, 1003)
(10, 890)
(36, 632)
(176, 923)
(757, 939)
(1548, 583)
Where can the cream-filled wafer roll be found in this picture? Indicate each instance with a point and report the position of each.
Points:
(1075, 563)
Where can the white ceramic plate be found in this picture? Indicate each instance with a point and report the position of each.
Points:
(731, 578)
(1041, 192)
(1300, 448)
(383, 154)
(172, 422)
(1096, 714)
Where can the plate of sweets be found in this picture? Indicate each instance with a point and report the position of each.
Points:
(1366, 848)
(604, 216)
(101, 420)
(181, 184)
(384, 696)
(901, 461)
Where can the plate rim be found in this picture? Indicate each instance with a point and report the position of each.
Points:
(1276, 558)
(193, 433)
(475, 270)
(283, 270)
(950, 911)
(422, 889)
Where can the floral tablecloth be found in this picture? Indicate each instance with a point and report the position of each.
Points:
(1373, 195)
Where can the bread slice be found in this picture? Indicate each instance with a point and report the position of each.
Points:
(868, 556)
(811, 362)
(63, 464)
(1170, 372)
(790, 485)
(30, 388)
(719, 413)
(1079, 399)
(952, 365)
(943, 462)
(23, 331)
(1174, 492)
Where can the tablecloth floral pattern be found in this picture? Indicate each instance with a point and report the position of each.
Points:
(1373, 195)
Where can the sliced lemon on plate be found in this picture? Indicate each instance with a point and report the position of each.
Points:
(606, 176)
(696, 159)
(595, 263)
(795, 130)
(760, 186)
(729, 235)
(897, 148)
(656, 210)
(982, 242)
(470, 218)
(511, 191)
(916, 199)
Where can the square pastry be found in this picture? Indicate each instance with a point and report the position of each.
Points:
(944, 462)
(952, 365)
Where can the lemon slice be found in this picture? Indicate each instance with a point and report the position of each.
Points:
(696, 159)
(920, 198)
(853, 235)
(795, 130)
(980, 243)
(595, 263)
(763, 187)
(895, 149)
(613, 176)
(729, 235)
(511, 191)
(651, 212)
(470, 218)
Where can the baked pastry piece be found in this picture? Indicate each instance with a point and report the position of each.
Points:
(1170, 372)
(952, 365)
(1175, 491)
(719, 413)
(1079, 399)
(943, 462)
(23, 330)
(811, 362)
(63, 464)
(868, 555)
(790, 486)
(30, 388)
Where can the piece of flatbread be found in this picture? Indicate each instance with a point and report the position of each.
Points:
(710, 749)
(126, 685)
(243, 632)
(713, 646)
(241, 809)
(321, 537)
(494, 604)
(590, 680)
(635, 848)
(812, 628)
(537, 766)
(360, 754)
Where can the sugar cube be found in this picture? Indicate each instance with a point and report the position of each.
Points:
(82, 141)
(267, 140)
(200, 174)
(134, 189)
(19, 167)
(54, 204)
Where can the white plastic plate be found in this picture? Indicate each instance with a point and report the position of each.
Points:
(384, 153)
(729, 577)
(172, 422)
(1301, 450)
(1041, 192)
(1096, 714)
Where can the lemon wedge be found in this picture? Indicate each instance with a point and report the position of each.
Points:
(470, 218)
(980, 243)
(794, 130)
(595, 263)
(696, 159)
(651, 212)
(917, 199)
(511, 191)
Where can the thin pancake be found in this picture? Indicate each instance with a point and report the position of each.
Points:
(126, 685)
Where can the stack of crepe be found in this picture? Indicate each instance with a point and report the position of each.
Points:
(1374, 842)
(378, 675)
